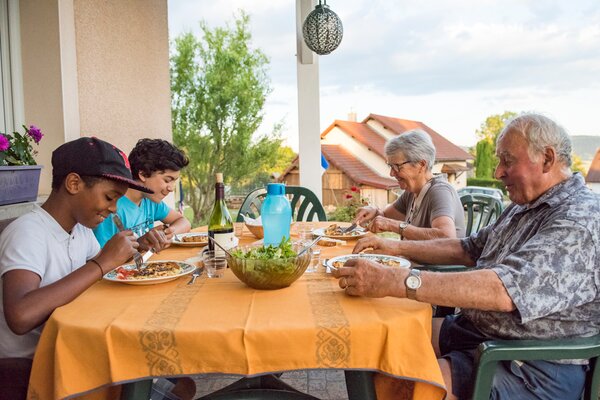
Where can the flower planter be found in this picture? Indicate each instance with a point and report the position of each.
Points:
(19, 184)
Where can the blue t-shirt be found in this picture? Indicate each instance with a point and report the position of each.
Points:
(140, 219)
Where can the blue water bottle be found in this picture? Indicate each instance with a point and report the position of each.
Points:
(276, 214)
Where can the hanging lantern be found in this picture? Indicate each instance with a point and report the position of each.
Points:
(322, 30)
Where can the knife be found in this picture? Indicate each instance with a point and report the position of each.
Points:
(137, 257)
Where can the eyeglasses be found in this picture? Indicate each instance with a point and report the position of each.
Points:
(397, 167)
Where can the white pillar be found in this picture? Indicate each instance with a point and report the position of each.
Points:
(309, 130)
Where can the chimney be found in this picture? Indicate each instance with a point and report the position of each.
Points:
(352, 116)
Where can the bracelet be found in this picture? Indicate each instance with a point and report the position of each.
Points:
(99, 266)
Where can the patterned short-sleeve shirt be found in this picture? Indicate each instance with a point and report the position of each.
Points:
(546, 254)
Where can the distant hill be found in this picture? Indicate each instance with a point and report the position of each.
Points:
(585, 146)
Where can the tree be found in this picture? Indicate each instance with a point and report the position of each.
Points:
(577, 164)
(219, 85)
(485, 150)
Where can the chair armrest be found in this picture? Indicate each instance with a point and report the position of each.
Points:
(491, 352)
(442, 268)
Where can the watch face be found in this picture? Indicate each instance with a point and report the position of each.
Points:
(413, 282)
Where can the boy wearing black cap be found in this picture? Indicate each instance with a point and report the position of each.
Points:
(50, 255)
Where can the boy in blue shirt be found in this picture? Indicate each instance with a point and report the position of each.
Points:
(156, 164)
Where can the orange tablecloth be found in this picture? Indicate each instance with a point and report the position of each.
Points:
(115, 333)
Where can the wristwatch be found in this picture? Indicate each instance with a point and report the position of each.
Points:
(412, 283)
(403, 226)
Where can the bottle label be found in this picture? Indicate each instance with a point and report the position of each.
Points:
(225, 238)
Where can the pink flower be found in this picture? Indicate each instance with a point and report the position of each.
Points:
(35, 133)
(349, 196)
(354, 189)
(4, 143)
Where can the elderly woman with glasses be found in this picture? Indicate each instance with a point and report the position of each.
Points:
(429, 208)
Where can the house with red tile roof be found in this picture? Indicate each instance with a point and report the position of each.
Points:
(592, 178)
(354, 151)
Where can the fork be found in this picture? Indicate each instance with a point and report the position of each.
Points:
(137, 257)
(349, 229)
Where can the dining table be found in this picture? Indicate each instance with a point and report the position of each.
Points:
(115, 337)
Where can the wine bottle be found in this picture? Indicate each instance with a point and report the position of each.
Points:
(220, 226)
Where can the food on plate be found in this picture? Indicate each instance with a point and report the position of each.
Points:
(199, 238)
(336, 230)
(158, 269)
(329, 242)
(381, 260)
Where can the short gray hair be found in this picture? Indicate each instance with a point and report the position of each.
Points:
(415, 145)
(541, 132)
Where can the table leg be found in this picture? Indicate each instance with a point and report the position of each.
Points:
(360, 385)
(139, 390)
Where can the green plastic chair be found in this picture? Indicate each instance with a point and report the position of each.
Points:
(305, 204)
(480, 211)
(491, 352)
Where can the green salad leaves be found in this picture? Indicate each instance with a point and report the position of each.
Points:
(284, 250)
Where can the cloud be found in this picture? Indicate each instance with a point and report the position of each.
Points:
(449, 63)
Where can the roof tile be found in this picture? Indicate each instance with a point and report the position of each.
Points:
(355, 168)
(593, 174)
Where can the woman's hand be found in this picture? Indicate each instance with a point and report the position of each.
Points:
(365, 214)
(383, 224)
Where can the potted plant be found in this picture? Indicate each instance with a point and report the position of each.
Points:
(19, 173)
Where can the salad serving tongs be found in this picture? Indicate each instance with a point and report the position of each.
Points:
(311, 244)
(137, 257)
(221, 247)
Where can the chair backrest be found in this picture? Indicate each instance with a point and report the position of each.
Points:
(480, 211)
(305, 204)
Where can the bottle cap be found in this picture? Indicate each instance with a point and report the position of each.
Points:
(275, 189)
(219, 176)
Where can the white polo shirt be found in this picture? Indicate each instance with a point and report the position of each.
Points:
(37, 243)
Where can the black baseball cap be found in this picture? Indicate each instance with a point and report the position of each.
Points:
(90, 156)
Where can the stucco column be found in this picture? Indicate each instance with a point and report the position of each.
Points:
(309, 130)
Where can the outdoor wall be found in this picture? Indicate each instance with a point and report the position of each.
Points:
(95, 68)
(123, 70)
(42, 81)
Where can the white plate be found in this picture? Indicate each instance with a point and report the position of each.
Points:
(177, 239)
(381, 258)
(187, 268)
(357, 234)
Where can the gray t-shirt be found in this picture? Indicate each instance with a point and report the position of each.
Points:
(547, 256)
(440, 200)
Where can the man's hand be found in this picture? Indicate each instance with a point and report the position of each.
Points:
(365, 214)
(377, 244)
(156, 239)
(118, 250)
(362, 277)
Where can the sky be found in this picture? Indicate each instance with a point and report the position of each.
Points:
(447, 63)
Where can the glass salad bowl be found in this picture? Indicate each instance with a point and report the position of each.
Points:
(268, 267)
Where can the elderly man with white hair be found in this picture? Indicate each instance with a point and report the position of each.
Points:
(535, 271)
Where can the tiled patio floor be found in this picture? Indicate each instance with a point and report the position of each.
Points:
(326, 385)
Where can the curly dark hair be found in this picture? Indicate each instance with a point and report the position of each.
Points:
(151, 155)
